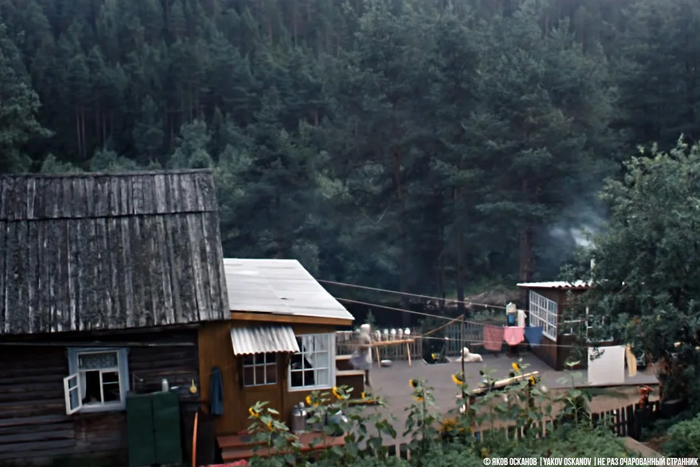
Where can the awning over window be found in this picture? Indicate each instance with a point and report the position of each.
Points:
(263, 339)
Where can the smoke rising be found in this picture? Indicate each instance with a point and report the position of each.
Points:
(574, 228)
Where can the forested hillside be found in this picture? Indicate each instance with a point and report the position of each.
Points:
(412, 144)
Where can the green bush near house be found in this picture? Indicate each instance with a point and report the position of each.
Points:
(684, 439)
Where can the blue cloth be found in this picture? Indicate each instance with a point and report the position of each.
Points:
(533, 335)
(216, 392)
(511, 320)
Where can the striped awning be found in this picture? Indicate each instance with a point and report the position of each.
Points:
(263, 339)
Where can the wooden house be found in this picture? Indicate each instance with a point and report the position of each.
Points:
(114, 286)
(104, 281)
(547, 302)
(277, 347)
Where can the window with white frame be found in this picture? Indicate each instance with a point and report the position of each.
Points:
(543, 312)
(313, 367)
(98, 380)
(259, 369)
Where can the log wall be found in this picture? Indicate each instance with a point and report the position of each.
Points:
(33, 421)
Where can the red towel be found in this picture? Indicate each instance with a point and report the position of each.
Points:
(513, 335)
(493, 338)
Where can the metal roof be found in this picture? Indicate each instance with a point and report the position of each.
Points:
(263, 339)
(278, 286)
(557, 285)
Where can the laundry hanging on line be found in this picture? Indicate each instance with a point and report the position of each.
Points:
(631, 361)
(493, 338)
(606, 365)
(533, 334)
(514, 335)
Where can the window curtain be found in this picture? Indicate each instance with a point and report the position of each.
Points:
(307, 349)
(316, 350)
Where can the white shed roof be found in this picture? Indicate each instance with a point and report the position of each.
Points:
(278, 286)
(556, 285)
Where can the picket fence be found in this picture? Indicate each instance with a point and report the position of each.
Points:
(624, 421)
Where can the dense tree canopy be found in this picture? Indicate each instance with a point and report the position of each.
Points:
(647, 269)
(426, 145)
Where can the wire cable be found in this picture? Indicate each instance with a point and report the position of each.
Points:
(407, 294)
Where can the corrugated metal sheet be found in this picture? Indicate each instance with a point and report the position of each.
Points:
(263, 339)
(279, 286)
(557, 285)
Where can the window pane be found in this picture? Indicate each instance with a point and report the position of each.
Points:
(248, 360)
(96, 361)
(259, 358)
(248, 376)
(271, 373)
(309, 379)
(322, 377)
(322, 360)
(260, 374)
(110, 386)
(110, 377)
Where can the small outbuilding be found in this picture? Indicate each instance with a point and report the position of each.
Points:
(547, 303)
(277, 346)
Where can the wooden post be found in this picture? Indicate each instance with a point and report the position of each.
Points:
(194, 439)
(464, 375)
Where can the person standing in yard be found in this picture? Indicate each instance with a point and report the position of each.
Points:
(362, 357)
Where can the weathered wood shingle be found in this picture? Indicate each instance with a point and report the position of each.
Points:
(109, 251)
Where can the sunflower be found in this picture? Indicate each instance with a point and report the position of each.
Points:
(414, 383)
(458, 379)
(363, 396)
(515, 366)
(532, 381)
(253, 412)
(269, 425)
(418, 398)
(336, 393)
(308, 400)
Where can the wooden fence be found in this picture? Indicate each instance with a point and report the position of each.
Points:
(346, 341)
(624, 421)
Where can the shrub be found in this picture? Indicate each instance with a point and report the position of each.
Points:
(684, 439)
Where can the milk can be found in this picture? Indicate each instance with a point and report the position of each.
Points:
(337, 420)
(299, 419)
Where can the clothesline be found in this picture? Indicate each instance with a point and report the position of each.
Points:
(479, 341)
(407, 294)
(394, 308)
(403, 310)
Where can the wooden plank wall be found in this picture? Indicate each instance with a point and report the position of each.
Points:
(33, 421)
(215, 349)
(127, 251)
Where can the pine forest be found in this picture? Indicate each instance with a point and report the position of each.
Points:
(418, 145)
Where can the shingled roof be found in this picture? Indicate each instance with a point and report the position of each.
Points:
(109, 251)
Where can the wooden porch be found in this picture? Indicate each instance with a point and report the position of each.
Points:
(241, 447)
